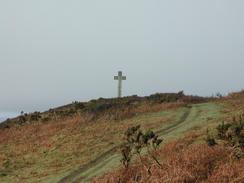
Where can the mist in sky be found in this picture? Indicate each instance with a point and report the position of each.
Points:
(53, 52)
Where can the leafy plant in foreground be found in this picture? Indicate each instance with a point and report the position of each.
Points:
(232, 133)
(135, 142)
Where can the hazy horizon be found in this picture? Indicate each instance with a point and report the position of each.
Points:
(55, 52)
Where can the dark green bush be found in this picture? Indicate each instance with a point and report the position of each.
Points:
(35, 116)
(78, 105)
(233, 132)
(241, 141)
(211, 141)
(135, 141)
(165, 97)
(222, 129)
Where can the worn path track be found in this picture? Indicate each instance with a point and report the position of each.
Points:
(93, 168)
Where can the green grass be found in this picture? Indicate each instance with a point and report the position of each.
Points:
(199, 117)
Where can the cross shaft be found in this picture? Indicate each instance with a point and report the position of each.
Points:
(120, 78)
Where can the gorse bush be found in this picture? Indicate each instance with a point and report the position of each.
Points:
(166, 97)
(210, 139)
(135, 142)
(222, 130)
(35, 116)
(232, 132)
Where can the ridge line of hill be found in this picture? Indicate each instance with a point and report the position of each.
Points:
(100, 107)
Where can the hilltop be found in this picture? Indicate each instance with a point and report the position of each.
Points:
(80, 141)
(94, 109)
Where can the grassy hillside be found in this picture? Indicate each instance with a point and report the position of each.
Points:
(194, 157)
(41, 152)
(186, 118)
(76, 142)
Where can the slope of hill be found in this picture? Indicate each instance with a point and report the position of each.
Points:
(187, 118)
(211, 154)
(76, 142)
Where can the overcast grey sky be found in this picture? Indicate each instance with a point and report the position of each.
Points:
(53, 52)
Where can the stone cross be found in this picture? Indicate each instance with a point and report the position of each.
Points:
(120, 78)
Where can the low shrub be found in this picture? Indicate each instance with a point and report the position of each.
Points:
(135, 142)
(232, 132)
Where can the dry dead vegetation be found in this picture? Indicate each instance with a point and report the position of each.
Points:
(187, 160)
(184, 162)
